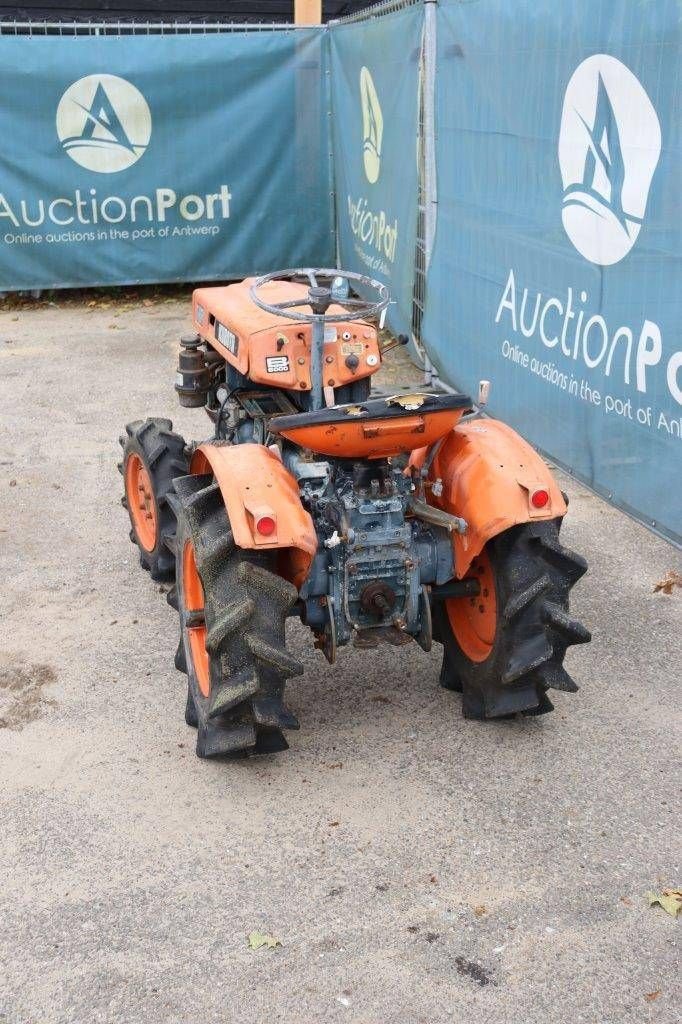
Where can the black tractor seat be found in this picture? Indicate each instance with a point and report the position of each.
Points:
(394, 407)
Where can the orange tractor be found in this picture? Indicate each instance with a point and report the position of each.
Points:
(373, 518)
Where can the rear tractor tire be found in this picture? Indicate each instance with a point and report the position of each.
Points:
(505, 648)
(233, 607)
(152, 457)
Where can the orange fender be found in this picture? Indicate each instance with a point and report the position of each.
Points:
(256, 486)
(488, 475)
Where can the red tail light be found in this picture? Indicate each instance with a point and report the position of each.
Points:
(266, 526)
(539, 498)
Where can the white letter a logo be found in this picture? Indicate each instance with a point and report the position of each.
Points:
(609, 146)
(372, 126)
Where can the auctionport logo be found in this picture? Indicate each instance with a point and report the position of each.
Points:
(609, 146)
(104, 123)
(372, 126)
(376, 233)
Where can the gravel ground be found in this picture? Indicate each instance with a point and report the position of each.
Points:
(416, 868)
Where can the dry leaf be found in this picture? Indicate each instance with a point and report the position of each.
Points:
(259, 939)
(147, 302)
(650, 996)
(669, 899)
(670, 580)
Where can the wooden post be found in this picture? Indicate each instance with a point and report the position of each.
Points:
(308, 12)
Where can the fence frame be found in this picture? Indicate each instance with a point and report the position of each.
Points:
(427, 199)
(140, 28)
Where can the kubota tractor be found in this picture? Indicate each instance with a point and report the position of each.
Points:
(373, 518)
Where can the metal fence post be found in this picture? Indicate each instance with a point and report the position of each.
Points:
(429, 144)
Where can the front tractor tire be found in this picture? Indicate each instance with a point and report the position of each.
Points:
(233, 607)
(152, 457)
(504, 648)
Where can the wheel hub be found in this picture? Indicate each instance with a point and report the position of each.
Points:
(141, 502)
(474, 619)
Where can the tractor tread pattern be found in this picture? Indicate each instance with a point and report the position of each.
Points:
(519, 600)
(573, 631)
(276, 656)
(535, 576)
(163, 453)
(269, 585)
(556, 677)
(529, 655)
(191, 717)
(573, 565)
(170, 540)
(218, 550)
(180, 659)
(235, 615)
(272, 713)
(246, 606)
(240, 687)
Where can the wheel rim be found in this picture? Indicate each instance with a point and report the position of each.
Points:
(141, 502)
(474, 619)
(193, 604)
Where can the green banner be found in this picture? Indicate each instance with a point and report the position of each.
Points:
(163, 158)
(375, 92)
(556, 268)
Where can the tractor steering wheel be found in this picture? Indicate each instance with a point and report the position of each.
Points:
(320, 296)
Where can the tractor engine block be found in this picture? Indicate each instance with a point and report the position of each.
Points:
(373, 579)
(369, 576)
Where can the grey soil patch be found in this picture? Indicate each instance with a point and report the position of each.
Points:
(21, 693)
(473, 970)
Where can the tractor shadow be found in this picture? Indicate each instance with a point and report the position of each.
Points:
(386, 695)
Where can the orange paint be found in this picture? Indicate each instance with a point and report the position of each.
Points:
(193, 601)
(255, 484)
(488, 474)
(265, 341)
(474, 619)
(352, 437)
(141, 503)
